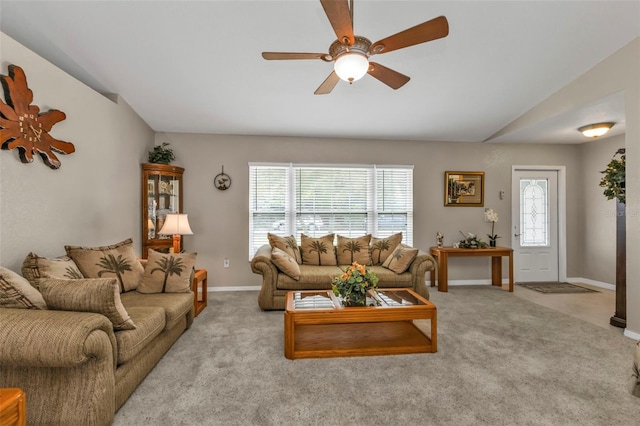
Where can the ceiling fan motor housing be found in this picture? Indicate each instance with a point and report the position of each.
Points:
(360, 46)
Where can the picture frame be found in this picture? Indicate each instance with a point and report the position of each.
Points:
(463, 189)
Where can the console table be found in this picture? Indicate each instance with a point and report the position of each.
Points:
(442, 254)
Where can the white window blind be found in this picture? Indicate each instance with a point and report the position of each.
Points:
(349, 200)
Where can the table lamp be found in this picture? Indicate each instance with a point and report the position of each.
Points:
(176, 225)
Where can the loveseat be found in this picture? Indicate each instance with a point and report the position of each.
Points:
(373, 253)
(79, 367)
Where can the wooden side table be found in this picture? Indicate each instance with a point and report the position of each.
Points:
(13, 407)
(199, 291)
(496, 253)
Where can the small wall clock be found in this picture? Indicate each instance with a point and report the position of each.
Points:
(23, 127)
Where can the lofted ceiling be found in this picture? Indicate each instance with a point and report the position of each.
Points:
(196, 66)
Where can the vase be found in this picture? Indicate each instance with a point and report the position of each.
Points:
(492, 243)
(354, 302)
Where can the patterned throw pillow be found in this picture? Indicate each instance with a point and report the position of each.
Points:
(168, 273)
(400, 259)
(117, 260)
(381, 248)
(354, 250)
(16, 292)
(285, 263)
(35, 268)
(318, 251)
(286, 244)
(97, 295)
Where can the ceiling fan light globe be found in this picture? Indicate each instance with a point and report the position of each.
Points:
(351, 66)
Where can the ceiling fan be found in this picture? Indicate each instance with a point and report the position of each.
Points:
(351, 52)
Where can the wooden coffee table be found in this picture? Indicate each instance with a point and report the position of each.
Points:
(316, 325)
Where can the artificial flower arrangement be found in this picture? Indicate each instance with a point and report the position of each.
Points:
(491, 216)
(470, 241)
(353, 284)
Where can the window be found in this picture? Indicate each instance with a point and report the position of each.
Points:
(534, 220)
(349, 200)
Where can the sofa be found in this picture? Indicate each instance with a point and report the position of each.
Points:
(314, 275)
(77, 366)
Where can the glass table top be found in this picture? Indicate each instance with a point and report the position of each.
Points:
(324, 299)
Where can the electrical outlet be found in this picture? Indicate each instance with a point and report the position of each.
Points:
(226, 262)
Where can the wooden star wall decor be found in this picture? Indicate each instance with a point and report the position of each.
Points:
(22, 126)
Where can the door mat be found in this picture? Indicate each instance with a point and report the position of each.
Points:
(556, 287)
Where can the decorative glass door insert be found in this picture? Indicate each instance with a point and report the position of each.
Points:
(534, 212)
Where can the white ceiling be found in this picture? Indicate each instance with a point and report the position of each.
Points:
(195, 66)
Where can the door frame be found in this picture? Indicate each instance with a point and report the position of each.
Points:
(562, 212)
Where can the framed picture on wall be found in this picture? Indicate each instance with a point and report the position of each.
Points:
(464, 189)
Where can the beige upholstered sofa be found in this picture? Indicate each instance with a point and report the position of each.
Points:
(74, 367)
(276, 284)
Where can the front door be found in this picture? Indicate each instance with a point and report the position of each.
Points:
(535, 225)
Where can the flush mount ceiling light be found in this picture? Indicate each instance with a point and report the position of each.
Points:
(595, 130)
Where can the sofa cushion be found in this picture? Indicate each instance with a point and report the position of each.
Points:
(318, 251)
(285, 263)
(388, 278)
(287, 244)
(401, 258)
(98, 295)
(117, 260)
(312, 277)
(150, 322)
(16, 292)
(175, 305)
(351, 250)
(34, 268)
(381, 248)
(167, 273)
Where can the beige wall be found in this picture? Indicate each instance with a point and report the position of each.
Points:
(599, 214)
(219, 219)
(94, 198)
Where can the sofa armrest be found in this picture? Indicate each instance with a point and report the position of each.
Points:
(423, 263)
(47, 338)
(262, 264)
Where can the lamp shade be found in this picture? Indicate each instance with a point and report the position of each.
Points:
(351, 66)
(176, 224)
(595, 130)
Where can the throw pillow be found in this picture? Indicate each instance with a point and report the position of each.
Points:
(97, 295)
(168, 273)
(35, 268)
(318, 251)
(286, 244)
(381, 248)
(117, 260)
(285, 263)
(354, 250)
(400, 259)
(16, 292)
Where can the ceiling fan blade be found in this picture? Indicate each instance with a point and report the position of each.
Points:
(427, 31)
(340, 18)
(327, 86)
(391, 78)
(292, 55)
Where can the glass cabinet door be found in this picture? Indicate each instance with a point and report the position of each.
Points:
(161, 195)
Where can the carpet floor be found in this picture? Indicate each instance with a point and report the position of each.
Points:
(556, 287)
(501, 360)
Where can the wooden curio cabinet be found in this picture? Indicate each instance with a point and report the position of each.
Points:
(161, 194)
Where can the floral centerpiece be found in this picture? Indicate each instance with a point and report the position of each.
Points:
(470, 241)
(353, 284)
(491, 216)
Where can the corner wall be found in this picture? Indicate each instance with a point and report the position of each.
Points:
(94, 198)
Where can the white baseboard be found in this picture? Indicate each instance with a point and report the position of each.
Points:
(631, 334)
(241, 288)
(600, 284)
(471, 282)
